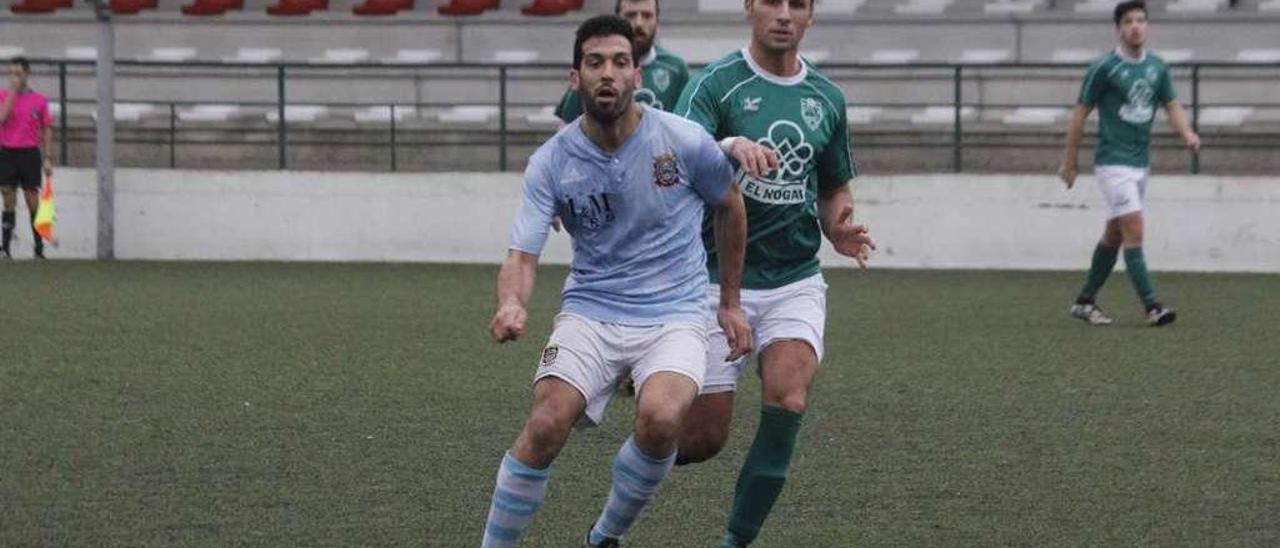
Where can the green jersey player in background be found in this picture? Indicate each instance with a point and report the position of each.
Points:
(1126, 86)
(664, 74)
(765, 93)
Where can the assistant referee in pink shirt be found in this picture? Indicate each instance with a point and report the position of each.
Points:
(24, 121)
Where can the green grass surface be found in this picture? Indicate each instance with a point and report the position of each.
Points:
(157, 404)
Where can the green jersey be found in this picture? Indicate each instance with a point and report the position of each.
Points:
(664, 75)
(1126, 93)
(802, 118)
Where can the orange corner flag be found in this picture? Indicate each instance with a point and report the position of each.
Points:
(45, 213)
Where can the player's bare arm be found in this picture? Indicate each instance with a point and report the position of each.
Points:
(835, 213)
(755, 159)
(16, 84)
(515, 286)
(1178, 119)
(730, 228)
(1070, 168)
(48, 151)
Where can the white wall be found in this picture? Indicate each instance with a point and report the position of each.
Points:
(919, 221)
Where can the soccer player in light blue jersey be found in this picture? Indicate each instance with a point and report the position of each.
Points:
(631, 184)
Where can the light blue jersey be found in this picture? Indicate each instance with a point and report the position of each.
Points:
(635, 218)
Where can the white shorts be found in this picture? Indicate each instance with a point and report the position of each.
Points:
(1123, 187)
(591, 356)
(797, 311)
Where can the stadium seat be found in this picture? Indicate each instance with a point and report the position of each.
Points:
(941, 115)
(415, 56)
(983, 56)
(343, 55)
(543, 8)
(211, 7)
(544, 116)
(171, 54)
(382, 114)
(297, 7)
(82, 53)
(1269, 6)
(1096, 6)
(298, 113)
(1074, 55)
(1224, 116)
(1010, 6)
(702, 50)
(9, 52)
(1176, 55)
(515, 56)
(131, 7)
(127, 112)
(28, 7)
(469, 114)
(1258, 56)
(208, 113)
(382, 7)
(255, 55)
(829, 7)
(1038, 116)
(894, 56)
(1195, 6)
(922, 7)
(815, 56)
(862, 115)
(467, 7)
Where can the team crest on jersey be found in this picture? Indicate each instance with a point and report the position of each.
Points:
(666, 172)
(811, 111)
(661, 79)
(549, 355)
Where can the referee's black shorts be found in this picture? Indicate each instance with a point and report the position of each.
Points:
(21, 167)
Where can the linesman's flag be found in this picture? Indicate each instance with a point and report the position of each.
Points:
(45, 213)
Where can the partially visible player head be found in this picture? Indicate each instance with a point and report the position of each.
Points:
(778, 26)
(19, 70)
(604, 71)
(1131, 23)
(643, 16)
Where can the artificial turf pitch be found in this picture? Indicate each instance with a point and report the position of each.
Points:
(198, 404)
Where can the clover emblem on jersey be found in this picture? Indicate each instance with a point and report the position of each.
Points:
(661, 79)
(787, 141)
(648, 97)
(666, 172)
(1139, 109)
(811, 111)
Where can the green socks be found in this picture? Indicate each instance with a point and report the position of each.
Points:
(763, 475)
(1104, 260)
(1136, 265)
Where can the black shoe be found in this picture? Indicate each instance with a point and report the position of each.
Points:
(606, 543)
(4, 254)
(39, 252)
(1159, 316)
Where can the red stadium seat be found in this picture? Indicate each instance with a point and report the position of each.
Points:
(551, 7)
(467, 7)
(131, 7)
(212, 7)
(382, 7)
(297, 7)
(38, 6)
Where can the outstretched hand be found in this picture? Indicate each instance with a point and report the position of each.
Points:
(849, 239)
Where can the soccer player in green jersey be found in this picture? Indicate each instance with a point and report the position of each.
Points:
(765, 93)
(1126, 86)
(664, 73)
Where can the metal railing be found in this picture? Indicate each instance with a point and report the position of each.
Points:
(965, 81)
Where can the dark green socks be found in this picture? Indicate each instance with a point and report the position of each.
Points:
(763, 474)
(1104, 260)
(1136, 265)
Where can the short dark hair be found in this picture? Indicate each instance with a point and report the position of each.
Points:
(601, 26)
(617, 6)
(22, 62)
(1128, 6)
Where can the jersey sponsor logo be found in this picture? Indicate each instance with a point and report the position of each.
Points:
(784, 185)
(1138, 109)
(666, 172)
(648, 97)
(751, 104)
(591, 212)
(811, 111)
(661, 79)
(549, 355)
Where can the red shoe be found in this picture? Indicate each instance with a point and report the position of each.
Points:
(467, 7)
(382, 7)
(543, 8)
